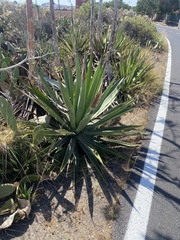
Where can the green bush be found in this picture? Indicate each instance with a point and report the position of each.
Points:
(13, 22)
(142, 30)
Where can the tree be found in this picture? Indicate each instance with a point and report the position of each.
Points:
(120, 4)
(158, 7)
(168, 6)
(147, 7)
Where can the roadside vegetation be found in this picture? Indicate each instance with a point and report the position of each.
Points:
(61, 106)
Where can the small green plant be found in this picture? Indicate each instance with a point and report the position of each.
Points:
(16, 199)
(26, 192)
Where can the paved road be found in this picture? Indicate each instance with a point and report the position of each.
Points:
(152, 212)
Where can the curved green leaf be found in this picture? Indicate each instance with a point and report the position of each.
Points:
(7, 113)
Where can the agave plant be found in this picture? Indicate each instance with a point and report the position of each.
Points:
(74, 42)
(78, 124)
(135, 71)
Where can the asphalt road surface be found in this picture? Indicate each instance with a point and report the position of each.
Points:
(150, 206)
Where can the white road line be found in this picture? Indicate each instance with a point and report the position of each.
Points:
(137, 225)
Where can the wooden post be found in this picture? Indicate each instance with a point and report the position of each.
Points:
(99, 33)
(91, 26)
(30, 40)
(54, 32)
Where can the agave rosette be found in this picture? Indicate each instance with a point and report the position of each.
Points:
(79, 127)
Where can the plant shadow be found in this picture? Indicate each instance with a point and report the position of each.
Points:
(53, 198)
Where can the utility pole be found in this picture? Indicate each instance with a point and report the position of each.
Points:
(30, 40)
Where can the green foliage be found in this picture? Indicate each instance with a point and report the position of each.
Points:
(10, 55)
(26, 187)
(15, 201)
(13, 22)
(167, 7)
(19, 158)
(142, 30)
(121, 4)
(79, 130)
(147, 7)
(75, 42)
(135, 71)
(157, 7)
(7, 113)
(83, 13)
(101, 45)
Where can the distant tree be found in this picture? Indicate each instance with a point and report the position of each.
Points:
(158, 7)
(168, 6)
(147, 7)
(120, 4)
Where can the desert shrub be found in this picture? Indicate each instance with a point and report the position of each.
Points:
(142, 30)
(13, 22)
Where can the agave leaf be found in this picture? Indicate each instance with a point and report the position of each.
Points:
(89, 74)
(68, 153)
(78, 83)
(68, 102)
(83, 107)
(53, 82)
(49, 90)
(119, 143)
(112, 131)
(46, 104)
(107, 98)
(84, 122)
(114, 113)
(78, 164)
(7, 113)
(92, 156)
(110, 151)
(69, 82)
(95, 84)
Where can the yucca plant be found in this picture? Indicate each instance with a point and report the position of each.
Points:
(135, 71)
(74, 42)
(78, 124)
